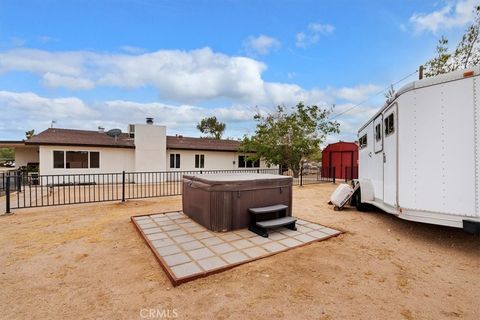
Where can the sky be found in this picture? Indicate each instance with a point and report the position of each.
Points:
(85, 64)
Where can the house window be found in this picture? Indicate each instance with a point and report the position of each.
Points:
(244, 162)
(199, 161)
(362, 142)
(58, 159)
(175, 160)
(95, 160)
(389, 125)
(76, 159)
(378, 132)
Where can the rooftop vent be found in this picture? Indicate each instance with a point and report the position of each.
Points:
(149, 120)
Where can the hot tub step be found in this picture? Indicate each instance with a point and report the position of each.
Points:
(264, 218)
(275, 208)
(275, 223)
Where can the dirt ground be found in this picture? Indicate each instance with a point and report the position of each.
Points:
(89, 262)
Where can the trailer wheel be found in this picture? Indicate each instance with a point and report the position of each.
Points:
(357, 197)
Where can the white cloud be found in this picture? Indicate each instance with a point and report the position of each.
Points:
(54, 80)
(184, 76)
(312, 35)
(453, 14)
(358, 93)
(189, 79)
(30, 106)
(261, 45)
(27, 110)
(290, 94)
(321, 28)
(132, 49)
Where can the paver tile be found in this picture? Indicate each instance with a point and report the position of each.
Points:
(235, 257)
(168, 250)
(274, 247)
(290, 242)
(195, 244)
(186, 269)
(201, 253)
(184, 238)
(175, 259)
(212, 241)
(222, 248)
(211, 263)
(255, 252)
(304, 238)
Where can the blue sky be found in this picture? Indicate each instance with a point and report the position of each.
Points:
(109, 63)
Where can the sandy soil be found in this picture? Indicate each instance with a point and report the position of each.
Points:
(88, 262)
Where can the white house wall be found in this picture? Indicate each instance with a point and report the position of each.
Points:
(111, 160)
(150, 147)
(214, 160)
(25, 155)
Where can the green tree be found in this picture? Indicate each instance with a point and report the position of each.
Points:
(441, 63)
(7, 154)
(212, 127)
(288, 137)
(29, 134)
(467, 53)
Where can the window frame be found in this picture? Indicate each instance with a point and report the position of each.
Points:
(199, 161)
(378, 133)
(360, 141)
(90, 159)
(248, 163)
(64, 156)
(390, 119)
(175, 160)
(58, 152)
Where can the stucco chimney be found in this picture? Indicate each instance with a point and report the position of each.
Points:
(101, 129)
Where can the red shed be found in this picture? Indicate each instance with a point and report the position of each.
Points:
(343, 156)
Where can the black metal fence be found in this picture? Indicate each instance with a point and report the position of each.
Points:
(14, 182)
(351, 173)
(24, 190)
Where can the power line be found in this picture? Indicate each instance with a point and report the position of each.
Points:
(376, 94)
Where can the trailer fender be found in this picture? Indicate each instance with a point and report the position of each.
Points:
(367, 191)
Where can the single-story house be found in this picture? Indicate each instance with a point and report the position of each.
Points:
(144, 148)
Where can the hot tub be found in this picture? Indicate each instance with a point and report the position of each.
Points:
(220, 202)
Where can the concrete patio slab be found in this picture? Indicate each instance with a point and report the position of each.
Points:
(187, 250)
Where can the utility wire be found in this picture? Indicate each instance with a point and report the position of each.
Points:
(376, 94)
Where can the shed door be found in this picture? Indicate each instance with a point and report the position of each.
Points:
(390, 128)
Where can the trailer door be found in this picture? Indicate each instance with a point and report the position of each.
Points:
(390, 128)
(377, 157)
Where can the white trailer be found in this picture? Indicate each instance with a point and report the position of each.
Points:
(419, 155)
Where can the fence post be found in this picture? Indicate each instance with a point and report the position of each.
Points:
(333, 174)
(123, 186)
(7, 195)
(19, 181)
(301, 175)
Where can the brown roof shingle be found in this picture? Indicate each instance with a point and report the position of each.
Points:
(71, 137)
(187, 143)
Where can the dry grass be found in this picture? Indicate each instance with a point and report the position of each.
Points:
(87, 261)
